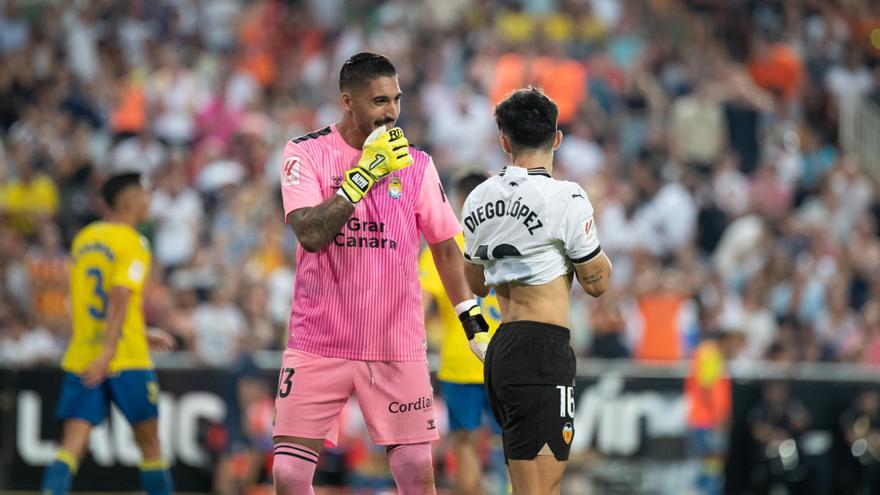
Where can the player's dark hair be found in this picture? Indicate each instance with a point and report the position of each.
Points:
(528, 118)
(362, 68)
(466, 181)
(115, 185)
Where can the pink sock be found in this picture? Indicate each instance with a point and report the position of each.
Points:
(412, 468)
(293, 469)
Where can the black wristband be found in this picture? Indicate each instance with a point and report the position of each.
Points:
(473, 323)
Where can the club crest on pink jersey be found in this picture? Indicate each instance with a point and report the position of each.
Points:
(395, 187)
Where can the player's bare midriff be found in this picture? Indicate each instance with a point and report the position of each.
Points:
(547, 303)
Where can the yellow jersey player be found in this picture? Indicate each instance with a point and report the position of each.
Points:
(108, 358)
(461, 372)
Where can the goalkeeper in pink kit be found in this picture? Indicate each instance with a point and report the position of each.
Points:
(358, 198)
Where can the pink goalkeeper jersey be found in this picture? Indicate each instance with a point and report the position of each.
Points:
(359, 297)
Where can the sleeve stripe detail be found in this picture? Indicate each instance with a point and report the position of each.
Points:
(588, 257)
(312, 135)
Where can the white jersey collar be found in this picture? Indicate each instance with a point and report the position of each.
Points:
(522, 172)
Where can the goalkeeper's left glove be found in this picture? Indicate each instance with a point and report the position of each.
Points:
(475, 327)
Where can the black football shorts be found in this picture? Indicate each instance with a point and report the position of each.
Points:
(529, 371)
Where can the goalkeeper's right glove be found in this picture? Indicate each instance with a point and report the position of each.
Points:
(384, 152)
(475, 327)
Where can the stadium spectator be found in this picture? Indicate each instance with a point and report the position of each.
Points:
(141, 153)
(219, 329)
(30, 195)
(710, 406)
(662, 328)
(24, 344)
(848, 82)
(248, 442)
(48, 268)
(775, 67)
(777, 423)
(860, 424)
(609, 328)
(15, 29)
(178, 211)
(698, 130)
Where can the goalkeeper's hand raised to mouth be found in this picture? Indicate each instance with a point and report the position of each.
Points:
(383, 152)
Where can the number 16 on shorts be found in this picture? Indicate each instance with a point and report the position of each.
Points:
(566, 401)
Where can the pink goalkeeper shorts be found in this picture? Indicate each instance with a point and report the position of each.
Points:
(396, 398)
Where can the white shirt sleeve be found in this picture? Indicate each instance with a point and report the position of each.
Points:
(578, 228)
(469, 235)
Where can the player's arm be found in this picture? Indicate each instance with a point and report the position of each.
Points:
(439, 225)
(476, 278)
(315, 226)
(314, 220)
(450, 262)
(159, 340)
(117, 305)
(432, 287)
(451, 267)
(594, 275)
(579, 235)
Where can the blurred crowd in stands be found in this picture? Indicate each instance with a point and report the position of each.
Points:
(706, 132)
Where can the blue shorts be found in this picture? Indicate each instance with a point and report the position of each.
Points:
(135, 393)
(468, 407)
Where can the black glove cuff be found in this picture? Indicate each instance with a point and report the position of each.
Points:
(473, 323)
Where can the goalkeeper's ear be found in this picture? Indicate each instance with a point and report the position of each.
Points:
(345, 101)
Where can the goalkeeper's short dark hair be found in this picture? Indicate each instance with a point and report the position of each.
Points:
(362, 68)
(528, 118)
(117, 184)
(467, 180)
